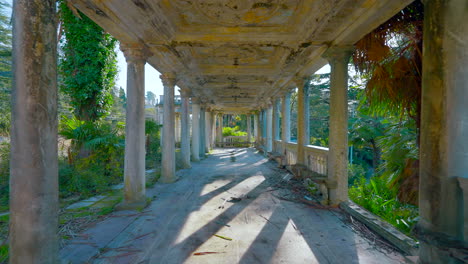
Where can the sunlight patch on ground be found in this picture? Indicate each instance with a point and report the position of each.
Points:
(292, 243)
(214, 186)
(211, 209)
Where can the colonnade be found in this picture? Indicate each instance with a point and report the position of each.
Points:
(442, 228)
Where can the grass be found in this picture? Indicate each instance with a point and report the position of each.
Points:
(376, 197)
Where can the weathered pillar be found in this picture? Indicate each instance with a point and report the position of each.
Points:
(338, 58)
(443, 228)
(276, 123)
(249, 128)
(134, 165)
(256, 129)
(168, 147)
(34, 165)
(202, 133)
(220, 128)
(301, 119)
(213, 129)
(177, 128)
(286, 120)
(207, 131)
(185, 133)
(269, 128)
(195, 129)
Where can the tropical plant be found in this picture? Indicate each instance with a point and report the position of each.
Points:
(102, 166)
(391, 56)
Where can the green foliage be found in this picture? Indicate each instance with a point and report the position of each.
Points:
(355, 172)
(4, 175)
(102, 167)
(88, 64)
(153, 143)
(150, 98)
(319, 105)
(5, 68)
(233, 131)
(398, 146)
(376, 197)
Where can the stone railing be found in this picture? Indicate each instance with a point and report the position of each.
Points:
(316, 159)
(234, 141)
(291, 153)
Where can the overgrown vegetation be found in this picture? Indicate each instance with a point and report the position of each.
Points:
(233, 131)
(375, 196)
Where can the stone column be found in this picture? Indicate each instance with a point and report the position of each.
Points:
(249, 129)
(177, 128)
(34, 166)
(276, 123)
(286, 120)
(195, 129)
(301, 120)
(134, 167)
(202, 133)
(269, 128)
(213, 129)
(207, 131)
(220, 128)
(338, 58)
(168, 147)
(185, 133)
(256, 129)
(443, 228)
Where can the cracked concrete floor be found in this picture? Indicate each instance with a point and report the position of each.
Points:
(185, 217)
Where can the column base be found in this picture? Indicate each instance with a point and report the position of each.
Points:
(169, 180)
(134, 205)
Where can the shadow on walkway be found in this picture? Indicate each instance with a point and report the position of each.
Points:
(230, 194)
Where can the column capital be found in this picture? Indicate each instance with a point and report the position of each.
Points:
(338, 53)
(134, 52)
(168, 79)
(185, 92)
(195, 100)
(300, 81)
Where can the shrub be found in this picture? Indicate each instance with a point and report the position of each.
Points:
(376, 197)
(233, 131)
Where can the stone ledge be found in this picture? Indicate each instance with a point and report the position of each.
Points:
(384, 229)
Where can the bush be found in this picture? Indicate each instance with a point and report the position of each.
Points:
(355, 172)
(376, 197)
(233, 131)
(101, 167)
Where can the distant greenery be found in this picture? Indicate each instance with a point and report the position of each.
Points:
(233, 131)
(153, 143)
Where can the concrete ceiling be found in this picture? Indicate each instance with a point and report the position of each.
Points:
(236, 54)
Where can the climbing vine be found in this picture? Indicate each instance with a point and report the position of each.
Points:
(88, 64)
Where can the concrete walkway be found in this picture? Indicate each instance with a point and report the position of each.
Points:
(185, 217)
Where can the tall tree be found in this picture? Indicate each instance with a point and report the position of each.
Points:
(151, 98)
(88, 65)
(5, 67)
